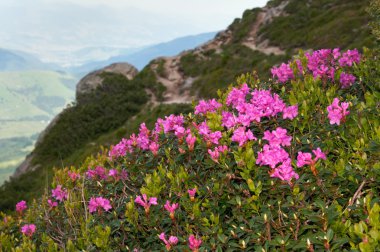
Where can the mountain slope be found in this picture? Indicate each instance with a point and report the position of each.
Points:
(28, 101)
(142, 57)
(11, 60)
(245, 45)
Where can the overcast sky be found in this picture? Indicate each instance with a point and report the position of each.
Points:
(51, 28)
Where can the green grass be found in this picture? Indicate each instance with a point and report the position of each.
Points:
(321, 24)
(28, 100)
(34, 93)
(222, 69)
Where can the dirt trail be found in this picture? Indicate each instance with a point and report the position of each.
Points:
(174, 81)
(264, 17)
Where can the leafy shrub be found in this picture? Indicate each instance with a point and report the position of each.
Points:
(288, 164)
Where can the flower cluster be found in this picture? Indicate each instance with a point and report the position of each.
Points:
(241, 135)
(145, 202)
(171, 208)
(283, 73)
(52, 203)
(99, 203)
(73, 175)
(194, 243)
(192, 193)
(98, 173)
(21, 206)
(59, 194)
(28, 229)
(275, 156)
(215, 154)
(323, 64)
(306, 159)
(173, 240)
(207, 106)
(337, 112)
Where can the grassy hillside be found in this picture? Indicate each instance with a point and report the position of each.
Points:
(320, 24)
(28, 101)
(212, 69)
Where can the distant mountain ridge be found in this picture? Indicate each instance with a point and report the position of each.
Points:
(12, 60)
(142, 57)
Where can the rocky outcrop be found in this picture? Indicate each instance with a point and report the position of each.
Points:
(92, 80)
(25, 166)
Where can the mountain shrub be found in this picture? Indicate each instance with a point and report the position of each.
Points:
(291, 163)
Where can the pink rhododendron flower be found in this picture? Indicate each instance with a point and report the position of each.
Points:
(321, 63)
(145, 202)
(28, 229)
(98, 173)
(319, 154)
(154, 147)
(238, 95)
(214, 154)
(99, 203)
(228, 120)
(208, 136)
(242, 136)
(59, 194)
(171, 208)
(290, 112)
(349, 57)
(306, 159)
(73, 175)
(169, 123)
(337, 112)
(21, 206)
(284, 171)
(143, 137)
(192, 193)
(113, 173)
(346, 80)
(277, 137)
(190, 140)
(336, 53)
(207, 106)
(179, 131)
(271, 155)
(121, 148)
(52, 204)
(283, 73)
(262, 104)
(194, 243)
(173, 240)
(223, 149)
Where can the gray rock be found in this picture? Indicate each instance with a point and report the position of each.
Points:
(92, 80)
